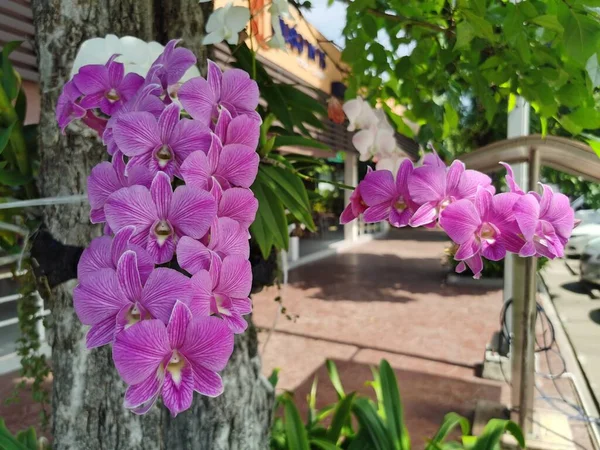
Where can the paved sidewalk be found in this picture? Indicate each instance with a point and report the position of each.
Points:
(385, 299)
(579, 312)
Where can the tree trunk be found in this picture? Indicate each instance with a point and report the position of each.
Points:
(87, 392)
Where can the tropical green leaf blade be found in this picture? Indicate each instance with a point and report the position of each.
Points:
(297, 437)
(340, 417)
(451, 421)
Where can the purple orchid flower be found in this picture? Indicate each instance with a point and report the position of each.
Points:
(242, 129)
(224, 290)
(233, 90)
(106, 86)
(238, 204)
(110, 300)
(230, 165)
(161, 216)
(107, 178)
(226, 238)
(434, 188)
(173, 360)
(68, 108)
(163, 144)
(356, 206)
(545, 223)
(482, 228)
(510, 180)
(147, 100)
(104, 252)
(388, 199)
(171, 64)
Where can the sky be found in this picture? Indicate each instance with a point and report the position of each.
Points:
(328, 20)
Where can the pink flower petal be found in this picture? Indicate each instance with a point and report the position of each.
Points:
(101, 333)
(95, 257)
(167, 122)
(202, 294)
(196, 170)
(137, 133)
(92, 79)
(426, 214)
(161, 251)
(139, 350)
(142, 396)
(162, 194)
(129, 276)
(238, 164)
(119, 244)
(527, 211)
(238, 204)
(102, 182)
(208, 343)
(162, 290)
(130, 85)
(192, 255)
(377, 213)
(243, 130)
(189, 136)
(116, 72)
(98, 297)
(427, 184)
(198, 99)
(239, 93)
(229, 238)
(178, 324)
(192, 211)
(178, 391)
(454, 176)
(460, 221)
(378, 187)
(207, 382)
(214, 78)
(236, 277)
(131, 206)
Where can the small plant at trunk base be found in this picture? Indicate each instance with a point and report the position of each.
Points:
(23, 440)
(358, 423)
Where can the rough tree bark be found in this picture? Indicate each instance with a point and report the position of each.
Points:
(87, 393)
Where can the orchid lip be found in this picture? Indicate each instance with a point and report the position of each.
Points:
(219, 300)
(163, 231)
(176, 363)
(164, 155)
(112, 96)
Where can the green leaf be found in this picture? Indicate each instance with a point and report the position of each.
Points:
(450, 120)
(464, 35)
(312, 402)
(341, 416)
(393, 405)
(278, 105)
(10, 80)
(334, 376)
(580, 32)
(323, 445)
(572, 95)
(593, 69)
(12, 178)
(299, 141)
(361, 441)
(586, 118)
(7, 440)
(372, 424)
(297, 438)
(451, 421)
(28, 438)
(544, 124)
(481, 27)
(493, 431)
(271, 212)
(292, 193)
(549, 22)
(5, 136)
(370, 26)
(274, 377)
(512, 102)
(401, 126)
(298, 99)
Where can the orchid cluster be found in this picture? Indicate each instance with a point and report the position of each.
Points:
(227, 22)
(168, 283)
(376, 137)
(464, 204)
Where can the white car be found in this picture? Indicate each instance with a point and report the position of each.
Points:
(580, 237)
(589, 268)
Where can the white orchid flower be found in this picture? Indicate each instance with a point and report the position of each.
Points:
(374, 142)
(390, 162)
(280, 8)
(225, 24)
(277, 40)
(360, 114)
(136, 55)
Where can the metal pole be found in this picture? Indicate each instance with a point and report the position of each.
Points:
(524, 314)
